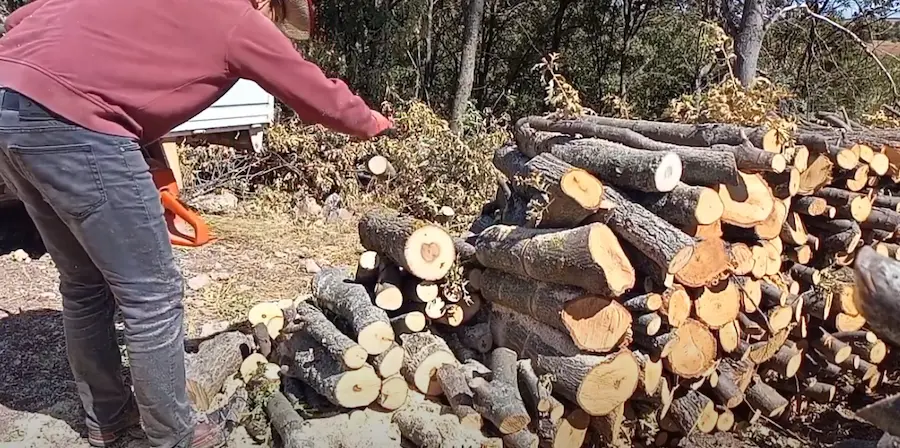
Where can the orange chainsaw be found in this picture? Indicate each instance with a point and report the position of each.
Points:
(186, 228)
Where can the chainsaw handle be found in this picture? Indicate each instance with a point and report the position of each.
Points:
(174, 207)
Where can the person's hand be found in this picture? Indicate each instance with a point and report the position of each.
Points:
(385, 127)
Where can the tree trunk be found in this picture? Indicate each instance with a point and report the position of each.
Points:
(474, 14)
(749, 40)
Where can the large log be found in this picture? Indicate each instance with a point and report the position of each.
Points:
(589, 256)
(572, 194)
(747, 204)
(216, 360)
(325, 333)
(425, 353)
(595, 323)
(692, 350)
(707, 166)
(849, 205)
(335, 292)
(421, 249)
(598, 384)
(658, 240)
(313, 365)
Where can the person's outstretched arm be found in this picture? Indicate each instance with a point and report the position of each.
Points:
(258, 51)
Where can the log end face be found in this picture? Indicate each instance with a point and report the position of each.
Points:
(355, 357)
(779, 164)
(357, 388)
(668, 173)
(609, 255)
(429, 253)
(596, 324)
(609, 384)
(376, 338)
(584, 188)
(709, 207)
(681, 259)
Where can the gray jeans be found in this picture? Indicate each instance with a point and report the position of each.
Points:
(94, 203)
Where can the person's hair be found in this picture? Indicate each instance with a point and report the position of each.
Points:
(279, 10)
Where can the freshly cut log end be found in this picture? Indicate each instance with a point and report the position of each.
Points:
(648, 324)
(730, 336)
(425, 353)
(454, 385)
(388, 363)
(740, 258)
(330, 337)
(747, 204)
(718, 304)
(684, 206)
(582, 187)
(693, 411)
(596, 323)
(644, 303)
(500, 403)
(668, 173)
(676, 306)
(598, 384)
(725, 421)
(394, 391)
(786, 362)
(835, 350)
(623, 166)
(423, 250)
(694, 351)
(368, 266)
(820, 392)
(708, 264)
(380, 166)
(651, 373)
(411, 322)
(568, 432)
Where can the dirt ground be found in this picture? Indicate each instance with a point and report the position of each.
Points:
(255, 258)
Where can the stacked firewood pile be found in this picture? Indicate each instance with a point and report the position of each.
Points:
(632, 283)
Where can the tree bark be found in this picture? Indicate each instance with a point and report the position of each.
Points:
(749, 40)
(469, 53)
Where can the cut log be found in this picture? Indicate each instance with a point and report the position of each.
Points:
(750, 327)
(527, 336)
(750, 293)
(865, 344)
(595, 324)
(693, 411)
(651, 373)
(820, 392)
(747, 204)
(433, 430)
(368, 267)
(420, 291)
(885, 201)
(733, 375)
(644, 303)
(800, 254)
(786, 362)
(700, 135)
(521, 439)
(810, 276)
(740, 258)
(411, 322)
(499, 400)
(608, 427)
(857, 179)
(705, 167)
(421, 249)
(572, 194)
(337, 344)
(598, 384)
(460, 397)
(432, 310)
(329, 377)
(763, 397)
(676, 306)
(784, 185)
(394, 391)
(216, 360)
(380, 167)
(620, 165)
(849, 205)
(536, 394)
(589, 257)
(647, 324)
(718, 305)
(289, 426)
(730, 336)
(693, 351)
(389, 362)
(809, 205)
(842, 157)
(335, 292)
(425, 353)
(726, 419)
(817, 175)
(685, 206)
(793, 231)
(709, 263)
(658, 240)
(834, 350)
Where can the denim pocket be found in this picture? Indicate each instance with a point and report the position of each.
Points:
(66, 175)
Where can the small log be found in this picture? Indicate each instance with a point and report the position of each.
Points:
(421, 249)
(651, 373)
(882, 219)
(521, 439)
(888, 202)
(411, 322)
(726, 419)
(676, 306)
(865, 344)
(693, 411)
(499, 400)
(589, 257)
(380, 167)
(693, 351)
(820, 392)
(394, 392)
(367, 267)
(428, 429)
(809, 205)
(750, 327)
(849, 205)
(536, 394)
(337, 344)
(460, 397)
(763, 397)
(685, 205)
(800, 254)
(842, 157)
(647, 324)
(608, 427)
(810, 276)
(432, 310)
(527, 336)
(335, 292)
(644, 303)
(216, 360)
(418, 290)
(658, 240)
(793, 231)
(288, 424)
(610, 379)
(834, 350)
(817, 175)
(751, 293)
(786, 362)
(341, 386)
(425, 353)
(595, 323)
(734, 377)
(740, 258)
(847, 322)
(262, 339)
(389, 362)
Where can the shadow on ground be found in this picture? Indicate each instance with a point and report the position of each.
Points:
(18, 232)
(36, 374)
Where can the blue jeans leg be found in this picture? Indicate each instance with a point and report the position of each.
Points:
(94, 202)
